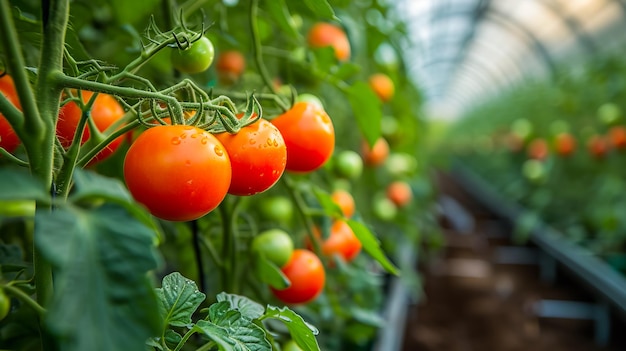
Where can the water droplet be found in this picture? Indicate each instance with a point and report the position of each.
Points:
(183, 136)
(203, 141)
(275, 143)
(175, 140)
(219, 151)
(252, 141)
(195, 135)
(269, 142)
(188, 128)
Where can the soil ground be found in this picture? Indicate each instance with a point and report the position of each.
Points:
(475, 302)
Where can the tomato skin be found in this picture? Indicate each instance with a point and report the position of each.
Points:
(309, 136)
(196, 58)
(565, 144)
(617, 135)
(230, 66)
(258, 157)
(306, 273)
(348, 164)
(341, 241)
(377, 154)
(178, 172)
(384, 209)
(345, 201)
(275, 245)
(326, 34)
(8, 139)
(105, 111)
(598, 146)
(538, 149)
(400, 193)
(382, 85)
(277, 208)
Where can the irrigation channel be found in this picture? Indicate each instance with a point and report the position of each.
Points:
(484, 292)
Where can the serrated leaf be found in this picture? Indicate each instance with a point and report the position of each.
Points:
(367, 110)
(103, 299)
(371, 245)
(248, 308)
(178, 298)
(269, 273)
(19, 184)
(280, 13)
(327, 203)
(230, 331)
(321, 8)
(301, 332)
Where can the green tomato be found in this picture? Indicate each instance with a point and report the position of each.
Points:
(196, 58)
(522, 128)
(5, 304)
(275, 245)
(310, 98)
(609, 113)
(348, 164)
(534, 170)
(277, 209)
(401, 165)
(291, 346)
(384, 209)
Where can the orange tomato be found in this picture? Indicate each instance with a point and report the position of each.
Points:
(400, 193)
(341, 241)
(230, 66)
(598, 146)
(382, 85)
(8, 139)
(376, 155)
(538, 149)
(326, 34)
(617, 135)
(345, 201)
(565, 144)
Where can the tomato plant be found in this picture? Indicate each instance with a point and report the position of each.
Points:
(291, 346)
(309, 136)
(306, 274)
(275, 245)
(195, 58)
(178, 172)
(341, 241)
(400, 193)
(565, 144)
(348, 164)
(598, 146)
(104, 112)
(345, 201)
(617, 135)
(8, 139)
(277, 208)
(382, 85)
(257, 155)
(230, 65)
(5, 304)
(327, 34)
(538, 149)
(376, 155)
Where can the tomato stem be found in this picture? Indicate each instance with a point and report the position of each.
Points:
(18, 293)
(195, 232)
(301, 208)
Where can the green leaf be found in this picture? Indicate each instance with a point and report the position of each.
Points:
(232, 332)
(129, 12)
(321, 8)
(346, 70)
(103, 298)
(327, 203)
(280, 13)
(371, 245)
(19, 184)
(301, 332)
(178, 299)
(367, 110)
(270, 273)
(248, 308)
(367, 316)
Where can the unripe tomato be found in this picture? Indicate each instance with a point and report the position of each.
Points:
(400, 193)
(5, 304)
(326, 34)
(306, 273)
(617, 135)
(345, 201)
(348, 164)
(534, 170)
(376, 155)
(275, 245)
(105, 111)
(291, 346)
(598, 146)
(341, 241)
(277, 208)
(8, 139)
(609, 113)
(309, 136)
(310, 98)
(178, 172)
(230, 66)
(401, 165)
(196, 58)
(565, 144)
(384, 209)
(538, 149)
(257, 156)
(382, 85)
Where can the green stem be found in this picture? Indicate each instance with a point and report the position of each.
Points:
(13, 158)
(228, 212)
(206, 347)
(25, 298)
(186, 337)
(301, 208)
(212, 252)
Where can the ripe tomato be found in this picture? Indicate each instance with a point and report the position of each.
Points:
(617, 135)
(382, 85)
(230, 65)
(306, 273)
(196, 58)
(277, 208)
(105, 111)
(348, 164)
(275, 245)
(565, 144)
(399, 193)
(538, 149)
(345, 201)
(376, 155)
(598, 146)
(326, 34)
(309, 136)
(341, 241)
(178, 172)
(257, 155)
(8, 139)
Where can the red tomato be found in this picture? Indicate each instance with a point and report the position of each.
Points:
(376, 155)
(341, 241)
(8, 139)
(178, 172)
(104, 112)
(345, 201)
(598, 146)
(399, 193)
(230, 65)
(257, 155)
(326, 34)
(565, 144)
(309, 136)
(618, 137)
(306, 273)
(538, 149)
